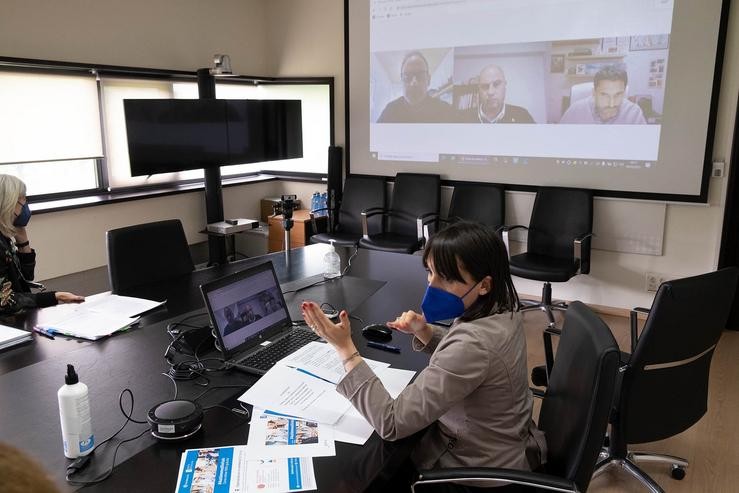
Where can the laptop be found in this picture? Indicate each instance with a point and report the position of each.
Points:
(251, 320)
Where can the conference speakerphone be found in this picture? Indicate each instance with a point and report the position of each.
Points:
(231, 226)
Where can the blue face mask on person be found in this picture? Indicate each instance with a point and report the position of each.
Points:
(438, 304)
(25, 215)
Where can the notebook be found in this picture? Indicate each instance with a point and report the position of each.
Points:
(252, 324)
(10, 336)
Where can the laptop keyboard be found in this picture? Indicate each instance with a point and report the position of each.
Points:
(267, 357)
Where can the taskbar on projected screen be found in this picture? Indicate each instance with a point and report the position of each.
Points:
(483, 160)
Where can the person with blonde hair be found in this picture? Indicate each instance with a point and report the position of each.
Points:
(17, 258)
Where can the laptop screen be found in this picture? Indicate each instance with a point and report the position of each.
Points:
(246, 307)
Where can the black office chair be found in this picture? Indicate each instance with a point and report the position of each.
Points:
(414, 204)
(558, 246)
(147, 253)
(359, 194)
(482, 203)
(574, 412)
(664, 381)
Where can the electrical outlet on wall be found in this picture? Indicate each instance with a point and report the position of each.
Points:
(652, 280)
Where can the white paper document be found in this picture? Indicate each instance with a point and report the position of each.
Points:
(320, 360)
(10, 336)
(296, 393)
(277, 437)
(98, 316)
(229, 470)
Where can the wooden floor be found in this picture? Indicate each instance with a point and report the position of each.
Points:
(711, 446)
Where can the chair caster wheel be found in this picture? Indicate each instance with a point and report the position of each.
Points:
(677, 472)
(539, 376)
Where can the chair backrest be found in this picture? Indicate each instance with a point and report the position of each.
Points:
(483, 203)
(147, 253)
(665, 386)
(414, 194)
(360, 193)
(574, 412)
(559, 216)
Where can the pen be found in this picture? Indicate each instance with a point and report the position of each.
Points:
(384, 347)
(44, 332)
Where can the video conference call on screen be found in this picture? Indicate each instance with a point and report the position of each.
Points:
(580, 84)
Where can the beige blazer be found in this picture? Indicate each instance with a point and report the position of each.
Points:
(473, 396)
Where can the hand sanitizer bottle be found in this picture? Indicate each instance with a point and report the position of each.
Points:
(332, 263)
(74, 412)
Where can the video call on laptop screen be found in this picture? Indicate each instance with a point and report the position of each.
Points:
(247, 307)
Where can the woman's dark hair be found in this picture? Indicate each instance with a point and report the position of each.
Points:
(482, 253)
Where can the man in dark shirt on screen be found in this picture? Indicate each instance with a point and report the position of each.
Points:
(492, 108)
(415, 105)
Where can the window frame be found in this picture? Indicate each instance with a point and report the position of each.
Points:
(102, 192)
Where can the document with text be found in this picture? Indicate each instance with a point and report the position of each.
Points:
(274, 436)
(229, 470)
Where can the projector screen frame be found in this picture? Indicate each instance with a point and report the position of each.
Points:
(702, 197)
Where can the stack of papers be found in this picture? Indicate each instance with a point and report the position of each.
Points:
(10, 336)
(100, 315)
(303, 385)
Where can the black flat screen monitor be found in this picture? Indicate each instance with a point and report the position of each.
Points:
(169, 135)
(264, 130)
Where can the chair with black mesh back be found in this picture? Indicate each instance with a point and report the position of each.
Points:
(414, 204)
(360, 193)
(573, 416)
(147, 253)
(483, 203)
(664, 381)
(558, 244)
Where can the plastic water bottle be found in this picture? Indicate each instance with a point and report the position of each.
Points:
(74, 413)
(315, 202)
(331, 263)
(324, 203)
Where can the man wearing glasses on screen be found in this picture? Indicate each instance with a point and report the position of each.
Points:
(415, 105)
(608, 103)
(491, 106)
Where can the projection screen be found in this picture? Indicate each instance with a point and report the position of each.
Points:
(617, 96)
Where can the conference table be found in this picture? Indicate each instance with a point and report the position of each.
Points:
(377, 287)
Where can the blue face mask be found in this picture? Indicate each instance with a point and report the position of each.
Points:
(22, 220)
(438, 304)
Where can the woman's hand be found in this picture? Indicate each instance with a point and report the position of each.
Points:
(21, 237)
(338, 335)
(412, 323)
(64, 297)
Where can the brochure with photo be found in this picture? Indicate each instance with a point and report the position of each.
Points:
(229, 470)
(276, 436)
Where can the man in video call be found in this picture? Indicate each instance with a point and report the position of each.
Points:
(608, 103)
(415, 105)
(248, 316)
(492, 107)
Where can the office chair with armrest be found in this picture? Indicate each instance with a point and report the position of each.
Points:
(414, 204)
(483, 203)
(574, 413)
(663, 387)
(360, 193)
(147, 253)
(558, 245)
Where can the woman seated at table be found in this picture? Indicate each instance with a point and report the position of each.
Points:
(17, 258)
(474, 394)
